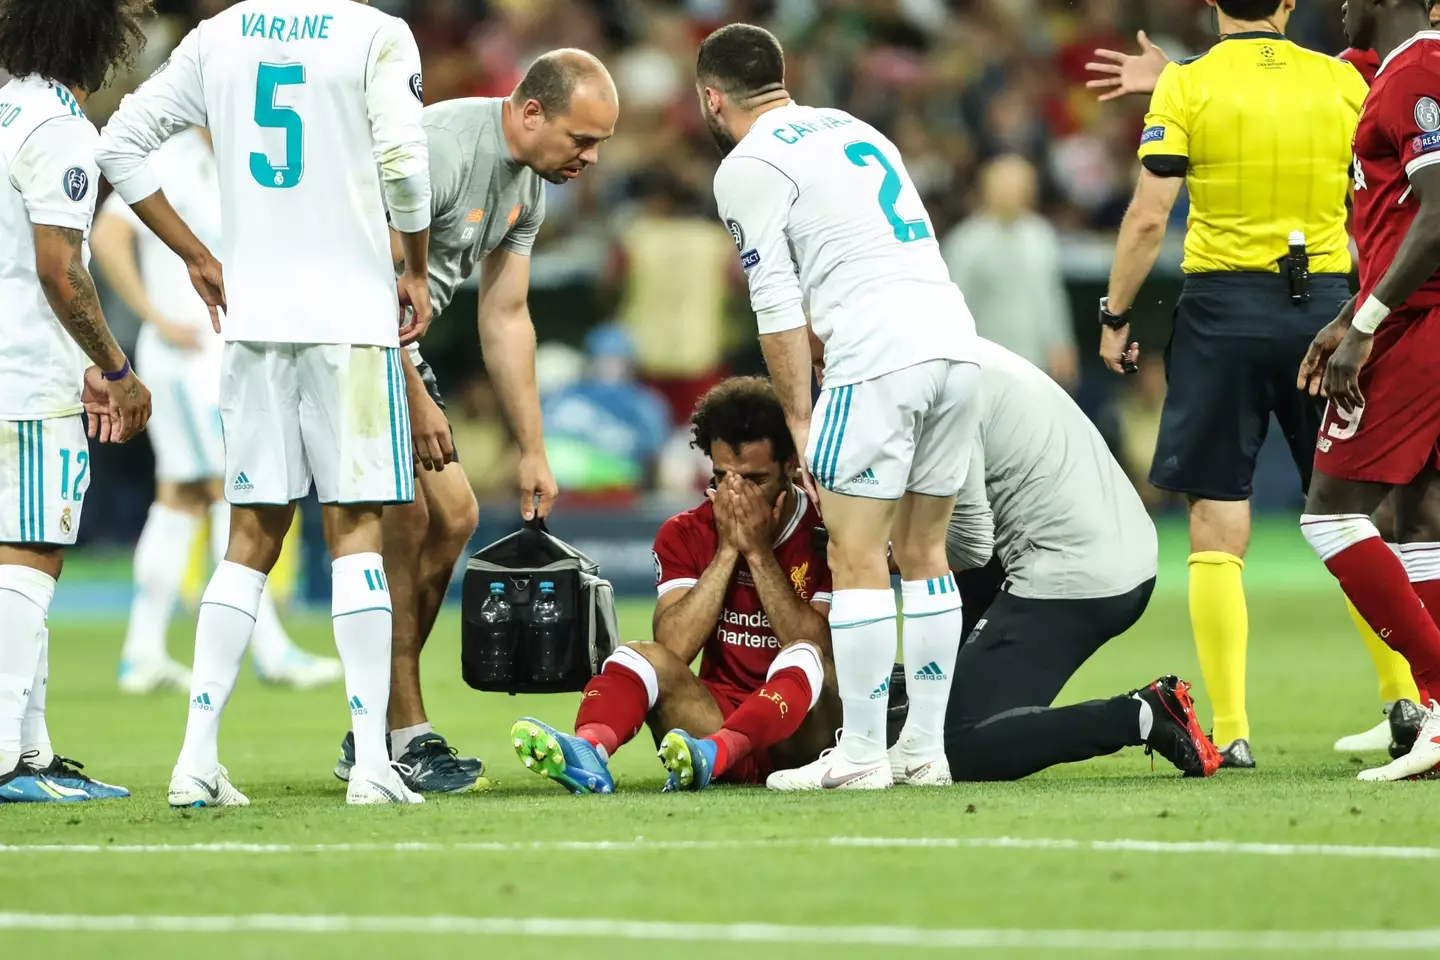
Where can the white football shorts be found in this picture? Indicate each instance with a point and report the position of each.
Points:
(908, 431)
(184, 426)
(334, 413)
(44, 474)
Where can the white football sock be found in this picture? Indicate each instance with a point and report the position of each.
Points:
(34, 732)
(269, 643)
(400, 739)
(862, 633)
(25, 595)
(227, 615)
(161, 558)
(360, 610)
(933, 623)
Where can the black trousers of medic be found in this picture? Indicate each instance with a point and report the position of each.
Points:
(1017, 655)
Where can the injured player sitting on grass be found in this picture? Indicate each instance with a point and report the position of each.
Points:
(742, 583)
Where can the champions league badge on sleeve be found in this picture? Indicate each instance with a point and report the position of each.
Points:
(77, 184)
(1427, 114)
(417, 87)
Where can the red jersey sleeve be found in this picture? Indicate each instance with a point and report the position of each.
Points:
(677, 564)
(1409, 114)
(1365, 61)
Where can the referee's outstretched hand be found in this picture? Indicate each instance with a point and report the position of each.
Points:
(1122, 74)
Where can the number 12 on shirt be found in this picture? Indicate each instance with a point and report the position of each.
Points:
(269, 114)
(860, 154)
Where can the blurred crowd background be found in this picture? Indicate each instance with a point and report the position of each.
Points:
(637, 294)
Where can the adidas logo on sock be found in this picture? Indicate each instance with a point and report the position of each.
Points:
(202, 702)
(357, 709)
(242, 482)
(931, 671)
(867, 477)
(881, 691)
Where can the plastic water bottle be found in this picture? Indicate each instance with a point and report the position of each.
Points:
(499, 626)
(547, 646)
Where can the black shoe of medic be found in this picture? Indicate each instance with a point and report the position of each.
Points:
(1174, 732)
(1406, 718)
(434, 768)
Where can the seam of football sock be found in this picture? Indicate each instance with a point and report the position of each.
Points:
(1421, 560)
(351, 613)
(34, 585)
(1331, 535)
(807, 659)
(1214, 558)
(628, 659)
(217, 603)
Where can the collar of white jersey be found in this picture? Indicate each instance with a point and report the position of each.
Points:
(1422, 35)
(767, 115)
(802, 503)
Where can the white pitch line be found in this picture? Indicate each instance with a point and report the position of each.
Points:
(838, 935)
(641, 845)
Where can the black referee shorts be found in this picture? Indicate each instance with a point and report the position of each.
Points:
(1231, 362)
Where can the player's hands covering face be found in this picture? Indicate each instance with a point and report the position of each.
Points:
(755, 518)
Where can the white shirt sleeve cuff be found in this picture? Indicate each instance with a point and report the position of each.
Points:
(1424, 160)
(141, 184)
(778, 319)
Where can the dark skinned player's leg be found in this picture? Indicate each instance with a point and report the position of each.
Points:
(1337, 525)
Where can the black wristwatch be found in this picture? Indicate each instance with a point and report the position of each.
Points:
(1112, 320)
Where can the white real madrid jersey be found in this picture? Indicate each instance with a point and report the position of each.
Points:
(49, 179)
(314, 108)
(825, 215)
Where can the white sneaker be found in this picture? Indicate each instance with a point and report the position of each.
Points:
(1422, 759)
(908, 769)
(1376, 738)
(216, 790)
(301, 670)
(147, 676)
(833, 772)
(376, 788)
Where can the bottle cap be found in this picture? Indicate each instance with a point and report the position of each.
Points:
(1297, 238)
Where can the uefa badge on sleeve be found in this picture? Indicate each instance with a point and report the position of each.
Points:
(656, 557)
(417, 87)
(736, 233)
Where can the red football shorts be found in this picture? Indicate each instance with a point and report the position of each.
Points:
(757, 766)
(1396, 434)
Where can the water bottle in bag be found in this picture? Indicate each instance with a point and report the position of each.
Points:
(547, 646)
(498, 619)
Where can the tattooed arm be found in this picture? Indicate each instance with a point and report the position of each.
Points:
(60, 264)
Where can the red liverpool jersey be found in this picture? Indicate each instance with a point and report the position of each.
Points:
(1399, 132)
(742, 644)
(1365, 61)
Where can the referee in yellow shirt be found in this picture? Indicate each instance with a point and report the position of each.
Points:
(1260, 131)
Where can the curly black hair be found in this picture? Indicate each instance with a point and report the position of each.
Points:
(742, 410)
(73, 42)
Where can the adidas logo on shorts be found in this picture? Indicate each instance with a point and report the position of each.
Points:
(867, 477)
(242, 482)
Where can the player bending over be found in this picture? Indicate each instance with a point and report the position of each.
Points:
(1079, 554)
(315, 107)
(743, 584)
(180, 356)
(823, 212)
(1379, 363)
(488, 156)
(57, 356)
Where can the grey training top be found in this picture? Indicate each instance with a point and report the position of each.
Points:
(1067, 522)
(481, 199)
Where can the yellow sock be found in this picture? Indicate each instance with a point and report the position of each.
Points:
(1396, 681)
(1222, 627)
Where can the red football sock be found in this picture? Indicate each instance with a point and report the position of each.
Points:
(1429, 593)
(1375, 581)
(613, 708)
(769, 715)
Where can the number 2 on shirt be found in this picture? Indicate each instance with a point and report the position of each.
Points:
(268, 113)
(860, 154)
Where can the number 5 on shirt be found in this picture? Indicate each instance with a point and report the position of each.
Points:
(860, 154)
(268, 113)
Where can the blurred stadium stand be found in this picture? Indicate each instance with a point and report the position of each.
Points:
(956, 83)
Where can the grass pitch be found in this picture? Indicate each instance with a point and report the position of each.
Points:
(1094, 859)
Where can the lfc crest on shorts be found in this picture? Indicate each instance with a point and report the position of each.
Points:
(797, 579)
